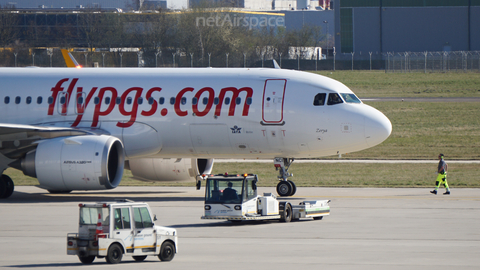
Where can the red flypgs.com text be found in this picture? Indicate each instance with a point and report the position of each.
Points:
(119, 101)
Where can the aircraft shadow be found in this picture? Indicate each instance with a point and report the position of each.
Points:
(225, 223)
(146, 196)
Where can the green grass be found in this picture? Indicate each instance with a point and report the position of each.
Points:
(421, 130)
(326, 175)
(381, 84)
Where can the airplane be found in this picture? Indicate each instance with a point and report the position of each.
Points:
(70, 61)
(78, 129)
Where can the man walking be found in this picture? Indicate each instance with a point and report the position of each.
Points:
(442, 176)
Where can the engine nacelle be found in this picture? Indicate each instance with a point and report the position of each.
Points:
(175, 170)
(87, 162)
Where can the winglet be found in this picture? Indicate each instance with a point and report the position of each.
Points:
(69, 60)
(275, 64)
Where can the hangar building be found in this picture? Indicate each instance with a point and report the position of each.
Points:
(382, 26)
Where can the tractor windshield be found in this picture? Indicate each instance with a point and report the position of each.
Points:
(224, 191)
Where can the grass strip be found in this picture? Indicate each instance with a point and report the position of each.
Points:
(325, 175)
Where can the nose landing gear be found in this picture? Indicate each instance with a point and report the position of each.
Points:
(285, 187)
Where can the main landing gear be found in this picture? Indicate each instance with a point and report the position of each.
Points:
(285, 187)
(6, 186)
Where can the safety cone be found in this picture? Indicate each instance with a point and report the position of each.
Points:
(99, 227)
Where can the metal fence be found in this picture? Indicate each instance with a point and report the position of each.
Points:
(432, 61)
(459, 61)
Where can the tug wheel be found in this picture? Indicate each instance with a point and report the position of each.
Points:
(115, 254)
(167, 252)
(285, 212)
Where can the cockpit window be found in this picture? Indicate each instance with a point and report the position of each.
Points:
(319, 99)
(351, 98)
(334, 98)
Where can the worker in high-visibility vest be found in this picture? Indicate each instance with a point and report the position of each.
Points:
(442, 176)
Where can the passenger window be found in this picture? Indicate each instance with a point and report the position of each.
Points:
(172, 100)
(205, 101)
(80, 100)
(50, 100)
(129, 100)
(184, 100)
(249, 101)
(18, 100)
(39, 100)
(6, 100)
(118, 100)
(216, 101)
(96, 100)
(227, 101)
(161, 101)
(29, 100)
(107, 100)
(140, 101)
(150, 101)
(334, 98)
(194, 101)
(319, 99)
(238, 100)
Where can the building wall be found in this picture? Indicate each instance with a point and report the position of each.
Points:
(294, 20)
(425, 29)
(364, 26)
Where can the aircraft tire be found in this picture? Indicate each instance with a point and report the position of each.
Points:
(284, 188)
(294, 188)
(3, 188)
(6, 186)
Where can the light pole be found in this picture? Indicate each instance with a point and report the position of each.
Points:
(326, 37)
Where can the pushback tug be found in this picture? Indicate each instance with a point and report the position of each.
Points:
(234, 198)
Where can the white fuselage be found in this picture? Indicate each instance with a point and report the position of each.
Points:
(196, 113)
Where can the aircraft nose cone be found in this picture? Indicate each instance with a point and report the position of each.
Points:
(377, 127)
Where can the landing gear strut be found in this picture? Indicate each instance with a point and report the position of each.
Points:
(6, 186)
(285, 187)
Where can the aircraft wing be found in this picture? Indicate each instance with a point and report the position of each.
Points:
(16, 140)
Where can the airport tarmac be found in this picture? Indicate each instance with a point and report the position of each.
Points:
(369, 228)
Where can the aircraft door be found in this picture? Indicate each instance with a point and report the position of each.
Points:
(273, 100)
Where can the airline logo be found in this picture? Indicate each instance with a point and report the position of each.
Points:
(127, 101)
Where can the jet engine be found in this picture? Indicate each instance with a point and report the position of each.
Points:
(176, 170)
(87, 162)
